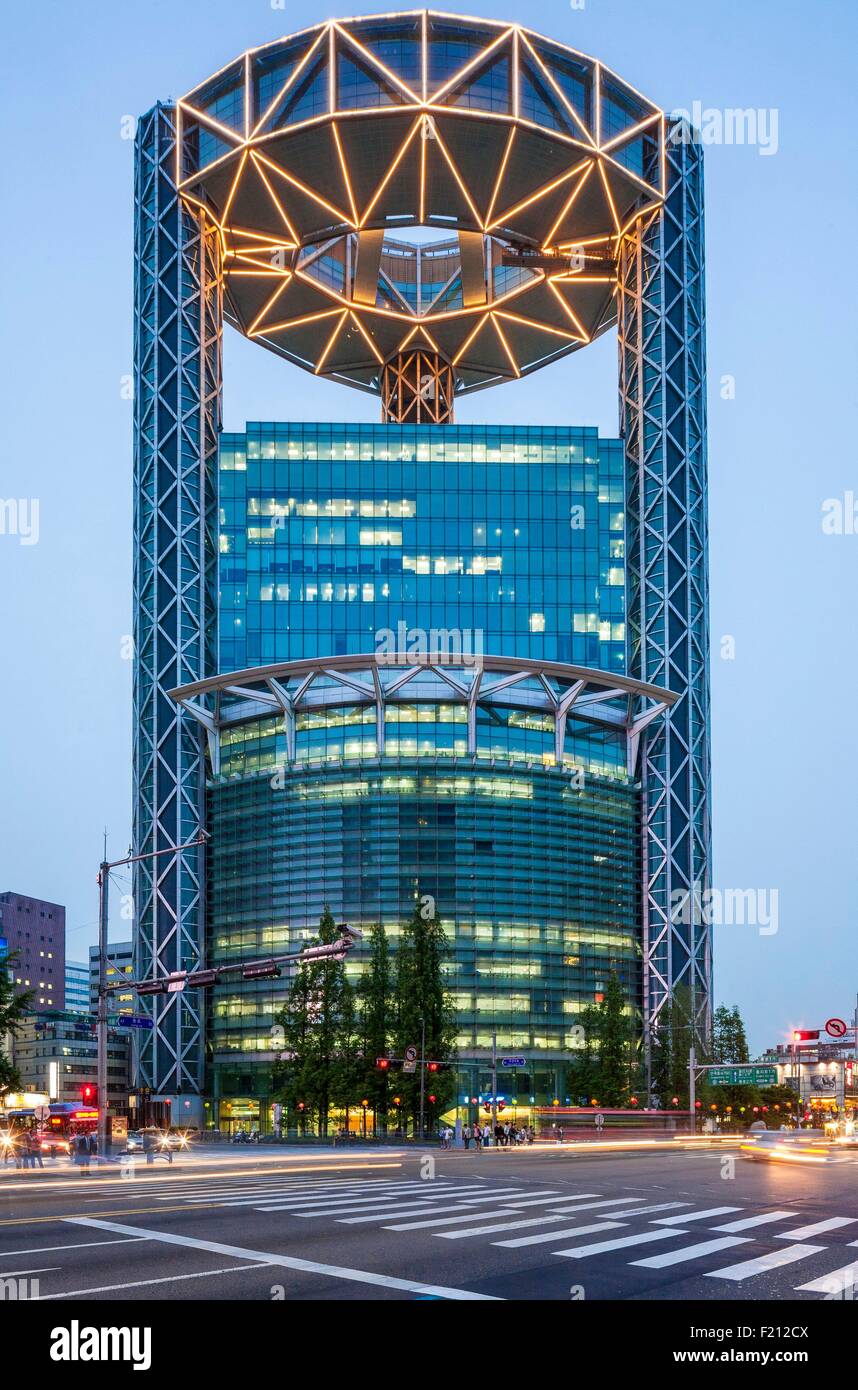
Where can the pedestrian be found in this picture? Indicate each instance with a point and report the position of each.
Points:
(92, 1145)
(478, 1138)
(560, 1135)
(149, 1146)
(487, 1137)
(466, 1137)
(81, 1144)
(35, 1150)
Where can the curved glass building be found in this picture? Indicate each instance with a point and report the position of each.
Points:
(418, 658)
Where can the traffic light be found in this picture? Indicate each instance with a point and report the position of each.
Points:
(89, 1094)
(382, 1063)
(432, 1066)
(432, 1099)
(805, 1035)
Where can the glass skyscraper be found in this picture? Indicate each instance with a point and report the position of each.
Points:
(383, 661)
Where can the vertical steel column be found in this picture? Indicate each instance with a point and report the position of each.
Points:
(177, 405)
(662, 350)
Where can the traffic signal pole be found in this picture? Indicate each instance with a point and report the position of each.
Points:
(103, 987)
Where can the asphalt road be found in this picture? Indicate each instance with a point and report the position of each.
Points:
(542, 1224)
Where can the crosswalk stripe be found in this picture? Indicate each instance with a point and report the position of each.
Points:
(694, 1216)
(509, 1226)
(747, 1222)
(411, 1211)
(353, 1185)
(446, 1220)
(816, 1228)
(837, 1282)
(657, 1206)
(318, 1208)
(544, 1236)
(582, 1252)
(310, 1199)
(322, 1200)
(773, 1260)
(690, 1252)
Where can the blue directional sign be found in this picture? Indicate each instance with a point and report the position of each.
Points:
(134, 1021)
(513, 1061)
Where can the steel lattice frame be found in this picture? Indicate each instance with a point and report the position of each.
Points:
(663, 412)
(177, 391)
(417, 388)
(563, 692)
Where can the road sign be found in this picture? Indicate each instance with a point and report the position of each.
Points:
(836, 1028)
(410, 1063)
(743, 1076)
(134, 1021)
(598, 1119)
(513, 1061)
(42, 1113)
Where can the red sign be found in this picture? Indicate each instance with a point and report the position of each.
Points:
(836, 1028)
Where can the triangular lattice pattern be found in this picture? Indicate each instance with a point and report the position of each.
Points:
(177, 389)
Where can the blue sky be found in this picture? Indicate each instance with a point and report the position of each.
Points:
(781, 322)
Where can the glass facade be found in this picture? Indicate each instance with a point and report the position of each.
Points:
(331, 534)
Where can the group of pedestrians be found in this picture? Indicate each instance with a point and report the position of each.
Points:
(505, 1136)
(25, 1150)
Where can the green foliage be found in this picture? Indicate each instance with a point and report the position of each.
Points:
(605, 1067)
(333, 1033)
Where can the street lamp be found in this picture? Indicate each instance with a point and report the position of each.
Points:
(103, 989)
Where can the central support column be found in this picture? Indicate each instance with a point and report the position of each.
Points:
(417, 387)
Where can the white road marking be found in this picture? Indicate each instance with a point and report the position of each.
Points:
(508, 1226)
(748, 1221)
(544, 1236)
(816, 1228)
(582, 1252)
(19, 1273)
(318, 1208)
(691, 1252)
(412, 1211)
(836, 1282)
(694, 1216)
(445, 1220)
(357, 1276)
(144, 1283)
(85, 1245)
(763, 1263)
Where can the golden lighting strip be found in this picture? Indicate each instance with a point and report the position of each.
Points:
(391, 171)
(569, 204)
(295, 74)
(344, 168)
(557, 89)
(330, 343)
(299, 322)
(302, 187)
(370, 343)
(505, 345)
(540, 193)
(273, 196)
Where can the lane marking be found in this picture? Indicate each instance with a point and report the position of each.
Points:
(470, 1201)
(748, 1221)
(774, 1260)
(545, 1236)
(691, 1252)
(145, 1283)
(357, 1276)
(817, 1227)
(82, 1245)
(694, 1216)
(18, 1273)
(583, 1252)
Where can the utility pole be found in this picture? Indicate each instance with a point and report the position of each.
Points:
(101, 1005)
(692, 1079)
(494, 1085)
(103, 988)
(422, 1075)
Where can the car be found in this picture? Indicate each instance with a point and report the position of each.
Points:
(53, 1144)
(164, 1139)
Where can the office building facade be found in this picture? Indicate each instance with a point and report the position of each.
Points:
(380, 660)
(35, 935)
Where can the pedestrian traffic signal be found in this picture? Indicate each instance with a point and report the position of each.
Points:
(89, 1093)
(432, 1100)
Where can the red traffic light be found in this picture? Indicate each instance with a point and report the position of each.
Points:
(805, 1035)
(432, 1100)
(432, 1066)
(382, 1063)
(89, 1093)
